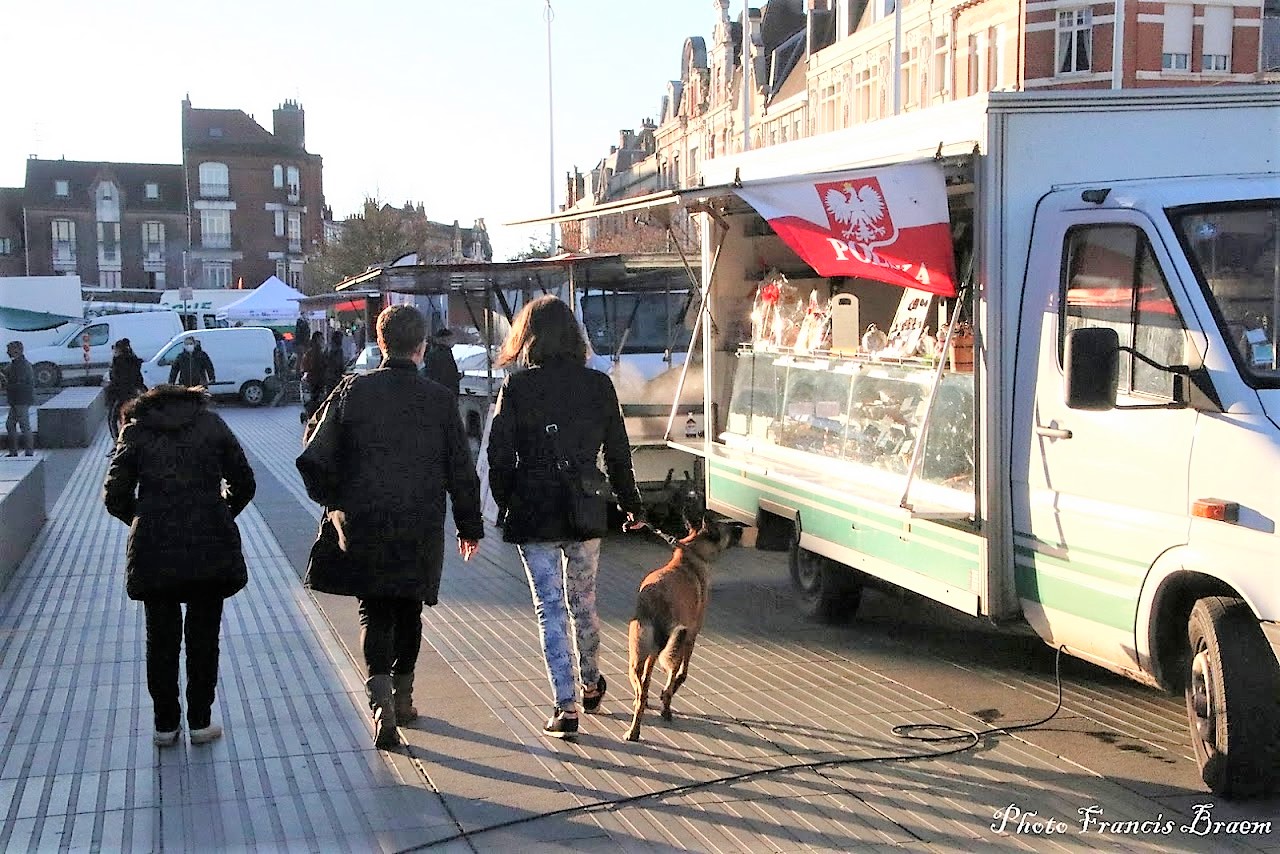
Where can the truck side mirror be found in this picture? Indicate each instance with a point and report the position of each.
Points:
(1092, 368)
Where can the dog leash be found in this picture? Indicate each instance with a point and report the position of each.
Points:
(662, 535)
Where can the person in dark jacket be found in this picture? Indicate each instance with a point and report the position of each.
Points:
(124, 382)
(165, 483)
(20, 394)
(193, 367)
(439, 364)
(381, 455)
(335, 361)
(556, 387)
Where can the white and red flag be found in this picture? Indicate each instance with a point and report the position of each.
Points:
(888, 224)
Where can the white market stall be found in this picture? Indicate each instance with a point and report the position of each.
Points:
(273, 303)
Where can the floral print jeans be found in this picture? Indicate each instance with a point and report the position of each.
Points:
(562, 579)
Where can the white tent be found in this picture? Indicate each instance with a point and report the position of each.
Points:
(273, 302)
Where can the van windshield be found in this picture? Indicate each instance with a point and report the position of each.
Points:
(66, 333)
(1235, 250)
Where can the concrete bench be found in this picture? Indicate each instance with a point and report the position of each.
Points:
(70, 418)
(21, 510)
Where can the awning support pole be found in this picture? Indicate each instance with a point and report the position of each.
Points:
(697, 325)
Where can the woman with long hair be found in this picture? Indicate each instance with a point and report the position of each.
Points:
(553, 417)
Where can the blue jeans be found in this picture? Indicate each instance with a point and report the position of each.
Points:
(562, 579)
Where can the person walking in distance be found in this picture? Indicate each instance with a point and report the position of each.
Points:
(124, 383)
(20, 394)
(193, 367)
(439, 364)
(382, 454)
(554, 415)
(166, 483)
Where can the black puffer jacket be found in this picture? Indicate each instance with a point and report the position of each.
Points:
(528, 490)
(165, 483)
(125, 378)
(400, 448)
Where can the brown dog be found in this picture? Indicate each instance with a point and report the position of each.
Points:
(669, 612)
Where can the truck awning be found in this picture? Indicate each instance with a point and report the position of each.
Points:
(664, 198)
(612, 271)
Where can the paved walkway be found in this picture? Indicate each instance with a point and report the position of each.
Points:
(295, 771)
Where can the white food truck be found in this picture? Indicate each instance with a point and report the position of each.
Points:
(1103, 467)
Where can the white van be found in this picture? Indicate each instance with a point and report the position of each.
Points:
(244, 362)
(83, 353)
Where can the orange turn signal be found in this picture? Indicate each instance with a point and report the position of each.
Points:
(1216, 509)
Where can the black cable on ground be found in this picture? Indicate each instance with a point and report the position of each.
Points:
(909, 732)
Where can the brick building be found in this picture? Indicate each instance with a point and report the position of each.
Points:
(816, 66)
(12, 246)
(256, 196)
(114, 224)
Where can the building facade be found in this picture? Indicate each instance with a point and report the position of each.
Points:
(256, 197)
(12, 245)
(815, 66)
(114, 224)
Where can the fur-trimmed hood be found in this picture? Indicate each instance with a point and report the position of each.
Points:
(167, 407)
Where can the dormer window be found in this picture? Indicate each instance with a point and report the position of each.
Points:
(215, 133)
(153, 190)
(61, 189)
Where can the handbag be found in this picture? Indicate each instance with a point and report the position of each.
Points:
(587, 492)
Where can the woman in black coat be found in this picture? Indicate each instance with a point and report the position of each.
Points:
(124, 382)
(165, 482)
(560, 558)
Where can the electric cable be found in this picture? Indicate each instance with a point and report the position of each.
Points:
(907, 732)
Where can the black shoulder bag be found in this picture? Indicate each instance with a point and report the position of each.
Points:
(586, 490)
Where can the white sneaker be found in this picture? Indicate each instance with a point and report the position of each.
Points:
(212, 732)
(164, 738)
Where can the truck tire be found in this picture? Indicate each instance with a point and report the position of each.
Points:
(47, 375)
(253, 393)
(827, 591)
(1233, 699)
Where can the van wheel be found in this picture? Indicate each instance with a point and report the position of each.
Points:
(252, 393)
(47, 375)
(827, 590)
(1233, 699)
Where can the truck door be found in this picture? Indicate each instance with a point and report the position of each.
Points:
(1097, 496)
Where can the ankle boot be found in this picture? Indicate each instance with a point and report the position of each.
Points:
(384, 712)
(402, 685)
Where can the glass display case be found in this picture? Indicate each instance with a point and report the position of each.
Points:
(857, 411)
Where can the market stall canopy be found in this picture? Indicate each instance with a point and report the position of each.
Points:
(349, 300)
(547, 274)
(272, 302)
(24, 320)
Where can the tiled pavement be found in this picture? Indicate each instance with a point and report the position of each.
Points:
(295, 771)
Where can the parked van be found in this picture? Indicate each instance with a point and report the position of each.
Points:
(83, 353)
(244, 362)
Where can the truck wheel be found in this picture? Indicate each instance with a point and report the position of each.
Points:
(252, 393)
(828, 591)
(47, 375)
(1233, 699)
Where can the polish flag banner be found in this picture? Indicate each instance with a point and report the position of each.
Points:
(888, 224)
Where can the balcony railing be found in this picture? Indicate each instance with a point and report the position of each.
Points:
(64, 257)
(295, 245)
(215, 241)
(214, 191)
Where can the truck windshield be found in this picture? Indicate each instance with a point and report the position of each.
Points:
(1235, 249)
(639, 322)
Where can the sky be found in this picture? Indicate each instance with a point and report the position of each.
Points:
(443, 103)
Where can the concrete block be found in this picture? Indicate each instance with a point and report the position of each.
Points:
(21, 510)
(70, 418)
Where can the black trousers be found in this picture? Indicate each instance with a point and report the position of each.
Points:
(166, 628)
(390, 634)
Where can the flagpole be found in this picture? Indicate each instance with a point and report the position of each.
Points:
(550, 15)
(897, 56)
(746, 75)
